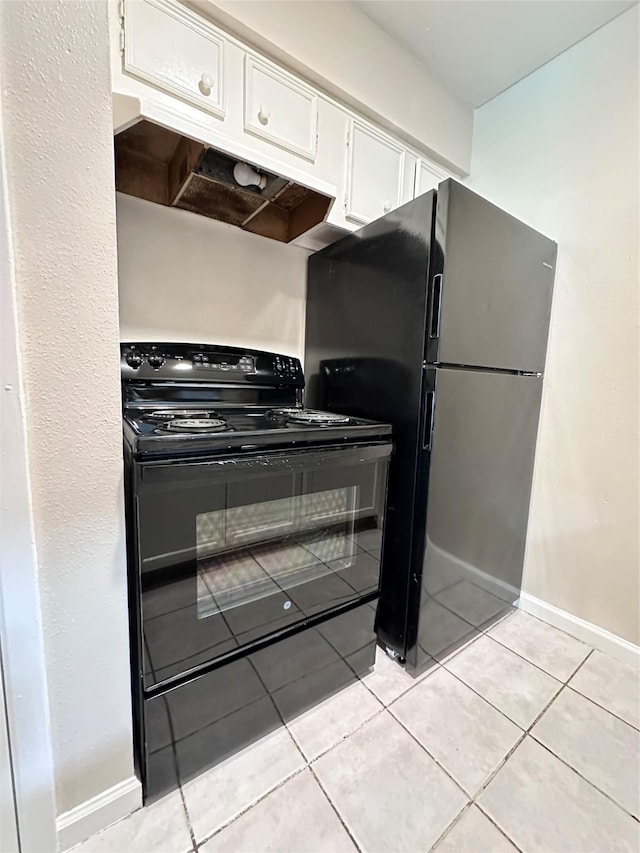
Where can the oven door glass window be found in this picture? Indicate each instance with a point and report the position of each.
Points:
(263, 549)
(232, 551)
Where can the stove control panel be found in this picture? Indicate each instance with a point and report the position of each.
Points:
(224, 363)
(284, 365)
(208, 363)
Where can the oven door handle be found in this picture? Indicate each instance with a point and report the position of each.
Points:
(154, 475)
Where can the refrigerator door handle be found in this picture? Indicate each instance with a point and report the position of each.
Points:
(428, 420)
(436, 306)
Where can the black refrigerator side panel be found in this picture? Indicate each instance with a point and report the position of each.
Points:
(480, 472)
(493, 281)
(367, 301)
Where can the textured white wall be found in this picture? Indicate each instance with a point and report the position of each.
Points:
(560, 150)
(57, 125)
(183, 277)
(31, 791)
(335, 45)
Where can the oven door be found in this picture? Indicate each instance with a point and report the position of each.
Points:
(233, 550)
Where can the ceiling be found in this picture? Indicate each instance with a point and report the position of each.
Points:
(478, 48)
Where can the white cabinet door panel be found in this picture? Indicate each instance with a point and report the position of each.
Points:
(375, 167)
(427, 177)
(279, 108)
(174, 49)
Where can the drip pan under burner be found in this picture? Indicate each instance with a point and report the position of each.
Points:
(195, 425)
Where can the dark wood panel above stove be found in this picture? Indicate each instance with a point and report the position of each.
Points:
(161, 166)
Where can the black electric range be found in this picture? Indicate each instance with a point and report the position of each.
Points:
(254, 534)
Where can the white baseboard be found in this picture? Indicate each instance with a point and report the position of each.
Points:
(599, 638)
(99, 812)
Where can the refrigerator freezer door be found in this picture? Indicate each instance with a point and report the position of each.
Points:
(480, 472)
(492, 306)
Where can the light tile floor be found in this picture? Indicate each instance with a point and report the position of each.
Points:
(525, 739)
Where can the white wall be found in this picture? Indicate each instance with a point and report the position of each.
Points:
(560, 150)
(29, 773)
(56, 114)
(339, 48)
(183, 277)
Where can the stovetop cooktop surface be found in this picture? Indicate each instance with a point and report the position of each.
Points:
(159, 429)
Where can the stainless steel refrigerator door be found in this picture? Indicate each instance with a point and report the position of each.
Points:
(491, 305)
(480, 472)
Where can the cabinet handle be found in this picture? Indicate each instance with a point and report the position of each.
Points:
(206, 84)
(387, 206)
(264, 114)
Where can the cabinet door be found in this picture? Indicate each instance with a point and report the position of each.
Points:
(175, 50)
(375, 166)
(279, 108)
(427, 178)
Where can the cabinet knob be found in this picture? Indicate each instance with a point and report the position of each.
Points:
(264, 114)
(386, 206)
(206, 84)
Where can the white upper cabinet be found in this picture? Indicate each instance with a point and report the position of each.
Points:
(375, 167)
(427, 177)
(179, 70)
(279, 108)
(175, 50)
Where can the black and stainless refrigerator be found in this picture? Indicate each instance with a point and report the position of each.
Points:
(435, 318)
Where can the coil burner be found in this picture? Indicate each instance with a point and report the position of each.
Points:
(196, 425)
(173, 414)
(310, 417)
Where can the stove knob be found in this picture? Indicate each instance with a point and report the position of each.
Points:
(134, 359)
(156, 360)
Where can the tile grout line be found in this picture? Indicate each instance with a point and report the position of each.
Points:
(517, 654)
(562, 683)
(557, 680)
(528, 732)
(307, 765)
(602, 708)
(248, 808)
(423, 677)
(345, 737)
(432, 757)
(364, 723)
(176, 768)
(497, 826)
(456, 820)
(471, 798)
(484, 698)
(335, 809)
(518, 743)
(187, 818)
(491, 623)
(513, 651)
(280, 784)
(304, 757)
(579, 667)
(549, 625)
(593, 701)
(584, 778)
